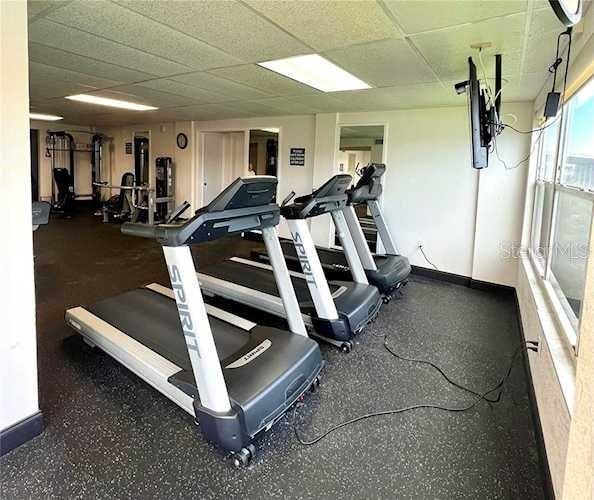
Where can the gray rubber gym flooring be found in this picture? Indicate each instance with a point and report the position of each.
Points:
(109, 435)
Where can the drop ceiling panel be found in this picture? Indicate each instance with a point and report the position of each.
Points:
(73, 62)
(124, 26)
(227, 25)
(321, 103)
(84, 44)
(212, 112)
(418, 16)
(46, 89)
(447, 50)
(219, 85)
(264, 80)
(149, 96)
(286, 106)
(252, 108)
(542, 41)
(383, 64)
(40, 8)
(40, 73)
(329, 24)
(191, 92)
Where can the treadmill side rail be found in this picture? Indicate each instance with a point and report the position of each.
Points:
(382, 228)
(349, 247)
(283, 281)
(365, 255)
(312, 269)
(196, 328)
(142, 361)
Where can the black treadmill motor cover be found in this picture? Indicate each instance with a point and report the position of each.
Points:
(369, 186)
(246, 204)
(330, 196)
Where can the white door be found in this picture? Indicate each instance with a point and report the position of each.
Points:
(212, 180)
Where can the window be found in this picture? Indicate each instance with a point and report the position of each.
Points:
(564, 202)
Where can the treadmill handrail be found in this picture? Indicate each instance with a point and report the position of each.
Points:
(331, 196)
(369, 186)
(246, 204)
(207, 226)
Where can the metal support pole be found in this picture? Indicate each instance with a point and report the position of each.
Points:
(283, 281)
(382, 229)
(349, 248)
(358, 237)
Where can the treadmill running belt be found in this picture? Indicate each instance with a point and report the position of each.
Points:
(328, 258)
(152, 319)
(259, 279)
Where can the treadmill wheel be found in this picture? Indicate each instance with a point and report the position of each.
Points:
(315, 384)
(244, 456)
(346, 347)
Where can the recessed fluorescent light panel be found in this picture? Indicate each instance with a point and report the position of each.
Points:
(45, 118)
(317, 72)
(105, 101)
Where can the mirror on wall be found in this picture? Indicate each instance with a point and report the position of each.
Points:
(359, 146)
(263, 152)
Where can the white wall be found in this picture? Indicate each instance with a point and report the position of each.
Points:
(431, 193)
(500, 201)
(18, 356)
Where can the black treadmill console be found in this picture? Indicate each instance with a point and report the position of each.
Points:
(330, 196)
(369, 186)
(246, 204)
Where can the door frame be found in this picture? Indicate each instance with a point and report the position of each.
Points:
(339, 126)
(198, 179)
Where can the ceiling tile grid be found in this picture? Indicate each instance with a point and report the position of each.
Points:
(197, 59)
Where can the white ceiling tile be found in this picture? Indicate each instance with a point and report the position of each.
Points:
(212, 112)
(195, 94)
(40, 8)
(46, 89)
(263, 79)
(219, 85)
(74, 62)
(329, 24)
(127, 27)
(228, 25)
(285, 106)
(39, 72)
(145, 95)
(542, 41)
(78, 42)
(418, 16)
(320, 103)
(447, 50)
(383, 64)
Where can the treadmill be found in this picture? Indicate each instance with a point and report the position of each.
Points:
(235, 377)
(389, 272)
(336, 311)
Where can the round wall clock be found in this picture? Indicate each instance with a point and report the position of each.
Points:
(182, 140)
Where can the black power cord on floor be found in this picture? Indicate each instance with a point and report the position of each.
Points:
(479, 396)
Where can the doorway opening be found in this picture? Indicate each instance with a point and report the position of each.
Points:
(223, 161)
(34, 143)
(263, 152)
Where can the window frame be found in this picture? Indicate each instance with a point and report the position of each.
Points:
(568, 320)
